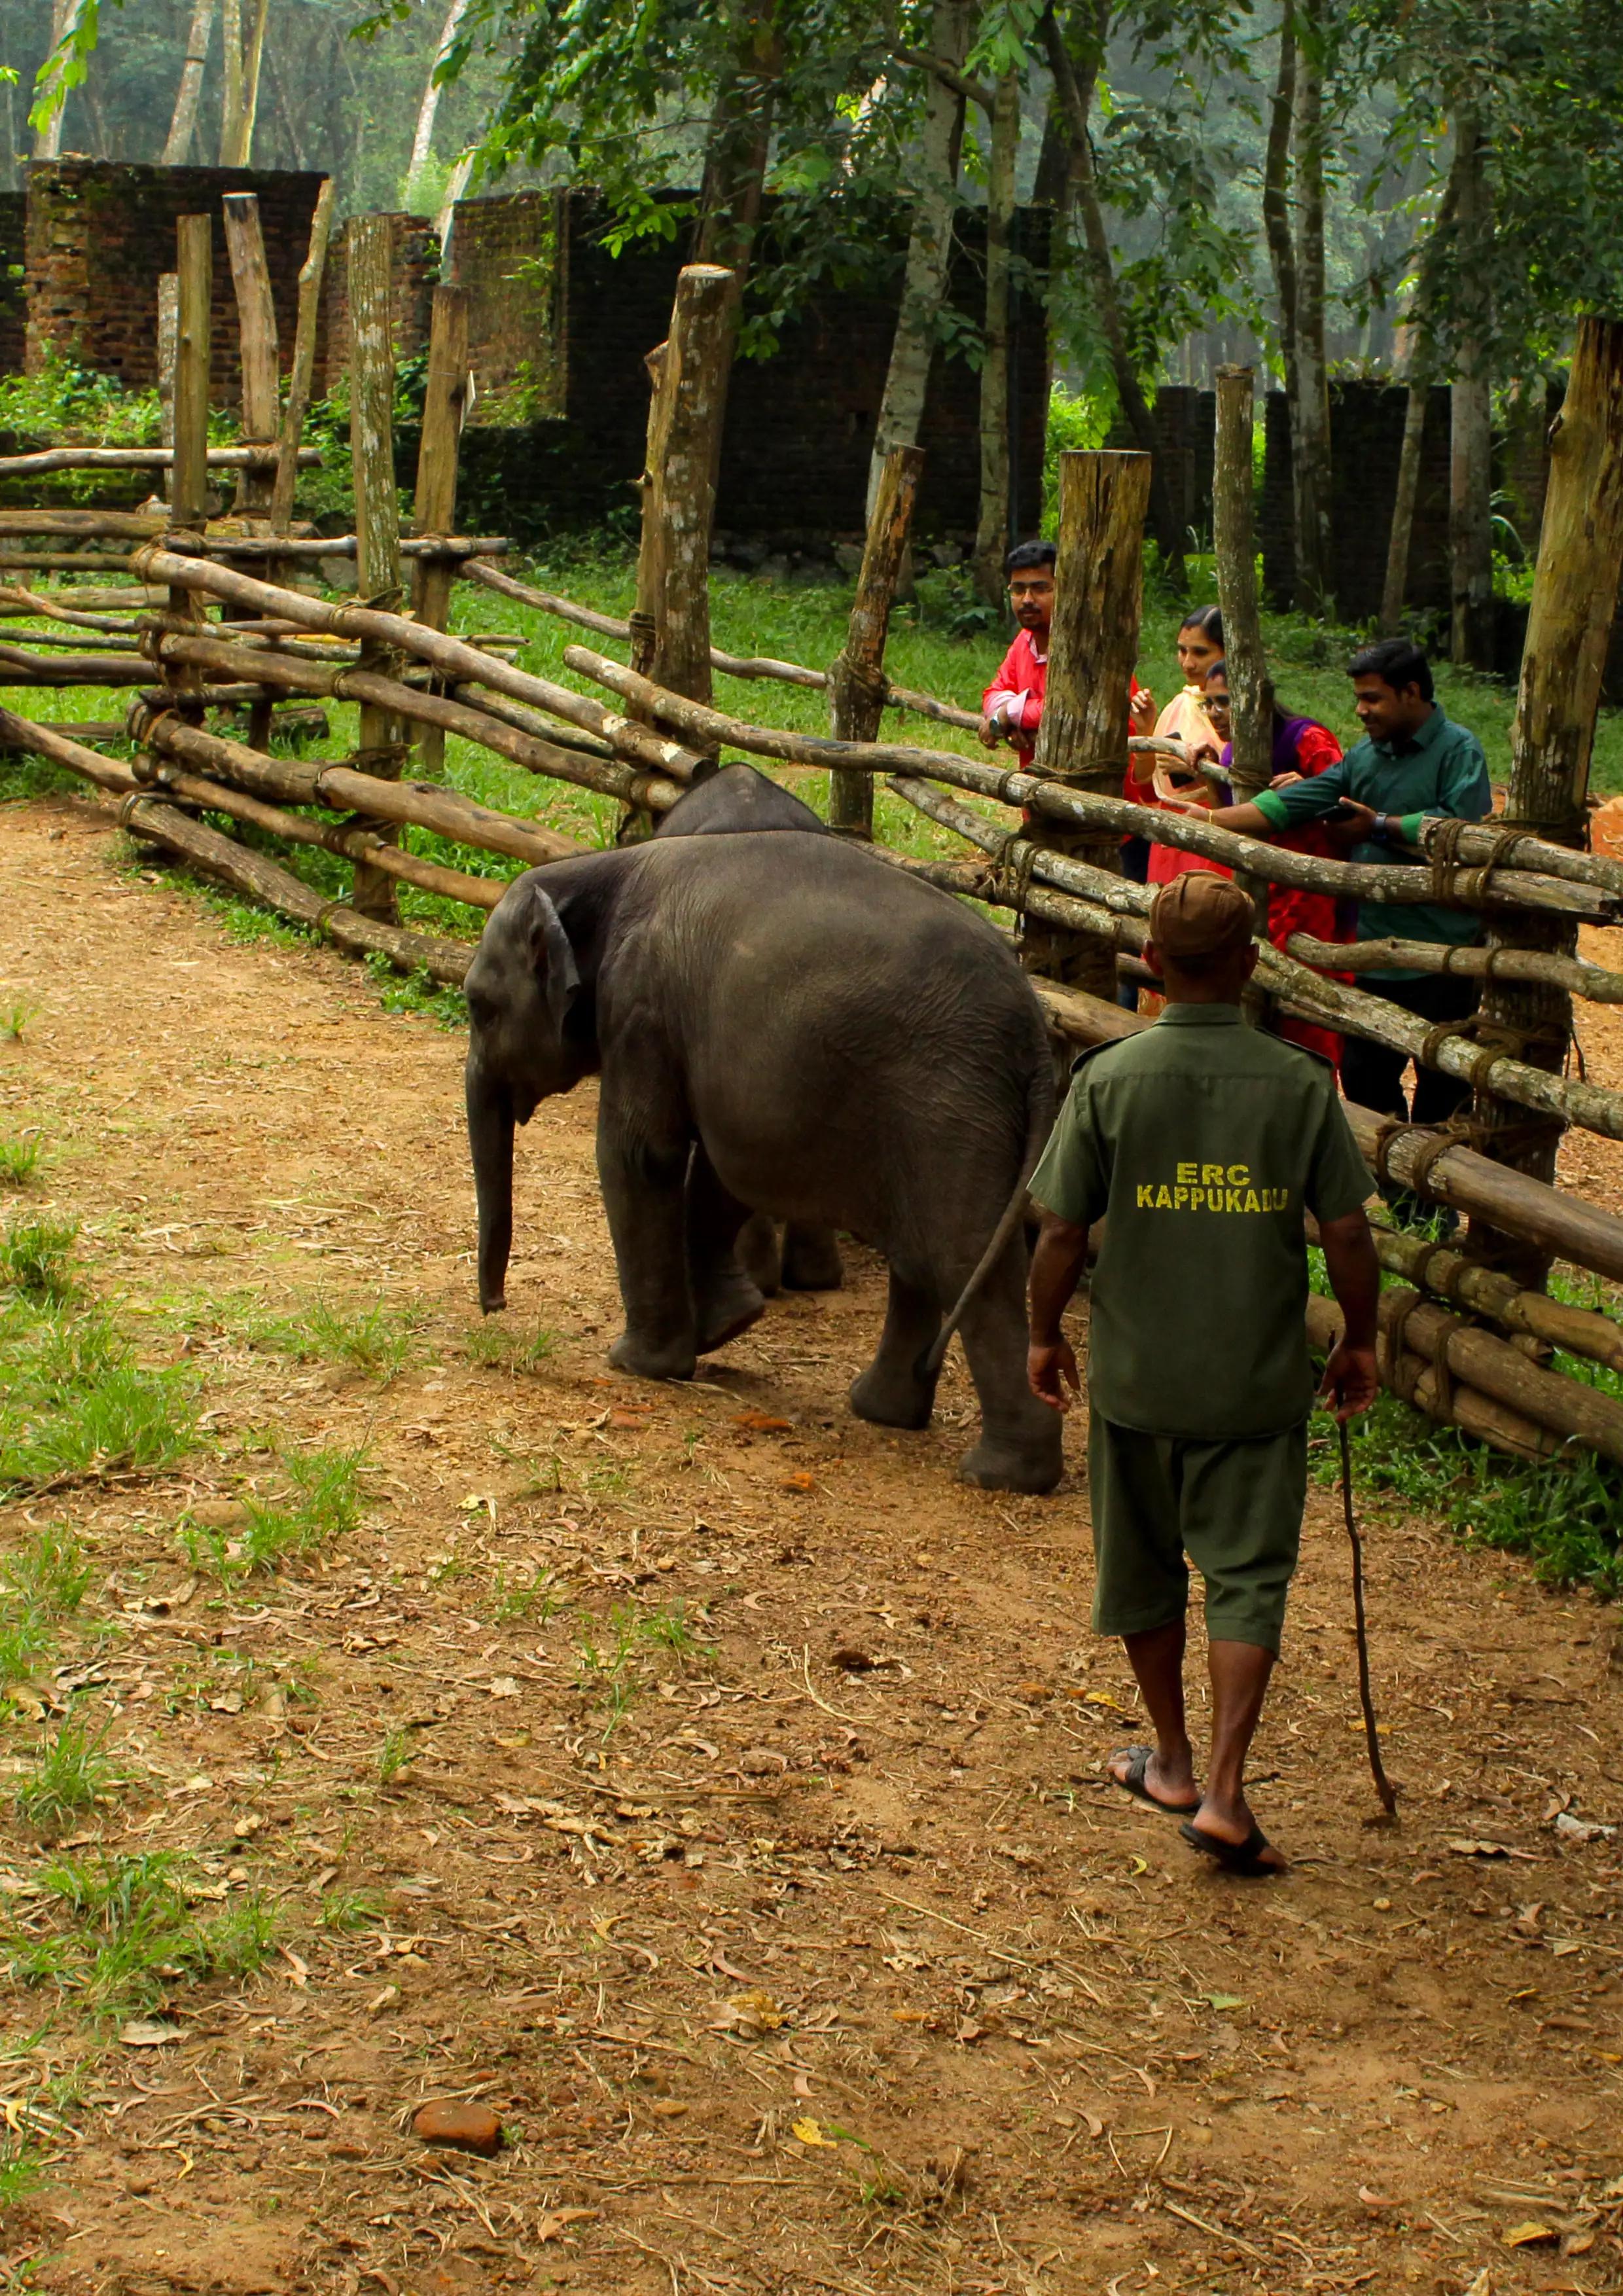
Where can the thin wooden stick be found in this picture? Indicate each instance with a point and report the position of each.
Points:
(857, 678)
(302, 373)
(1372, 1734)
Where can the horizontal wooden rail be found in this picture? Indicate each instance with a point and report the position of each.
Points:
(43, 459)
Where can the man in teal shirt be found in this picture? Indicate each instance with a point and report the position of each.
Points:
(1414, 762)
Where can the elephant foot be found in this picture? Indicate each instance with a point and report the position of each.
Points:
(811, 1259)
(1033, 1464)
(889, 1398)
(646, 1360)
(755, 1250)
(728, 1312)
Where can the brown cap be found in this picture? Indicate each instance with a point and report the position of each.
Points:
(1199, 915)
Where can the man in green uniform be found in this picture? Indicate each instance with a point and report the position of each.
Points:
(1413, 761)
(1200, 1144)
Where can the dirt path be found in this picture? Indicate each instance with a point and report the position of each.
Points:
(821, 1958)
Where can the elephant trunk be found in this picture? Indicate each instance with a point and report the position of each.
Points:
(490, 1139)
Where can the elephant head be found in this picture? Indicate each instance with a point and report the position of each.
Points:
(520, 987)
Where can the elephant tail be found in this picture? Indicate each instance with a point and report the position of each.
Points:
(1039, 1121)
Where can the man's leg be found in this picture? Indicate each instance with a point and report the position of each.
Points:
(1243, 1519)
(1441, 996)
(1372, 1075)
(1141, 1591)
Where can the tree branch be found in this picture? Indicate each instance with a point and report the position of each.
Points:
(974, 91)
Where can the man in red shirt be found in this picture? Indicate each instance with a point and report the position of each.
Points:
(1012, 704)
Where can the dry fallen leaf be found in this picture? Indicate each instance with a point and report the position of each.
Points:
(1528, 2235)
(761, 1423)
(149, 2033)
(809, 2131)
(1479, 1848)
(383, 1999)
(800, 1482)
(553, 2226)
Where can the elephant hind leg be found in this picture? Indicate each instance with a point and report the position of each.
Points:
(1021, 1446)
(756, 1251)
(811, 1258)
(890, 1392)
(725, 1300)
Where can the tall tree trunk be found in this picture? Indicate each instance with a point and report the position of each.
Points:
(1075, 84)
(1276, 204)
(242, 100)
(182, 126)
(1310, 443)
(1569, 623)
(231, 97)
(1470, 546)
(929, 245)
(992, 530)
(422, 140)
(1418, 335)
(65, 16)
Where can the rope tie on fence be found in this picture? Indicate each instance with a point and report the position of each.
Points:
(384, 759)
(861, 678)
(1012, 865)
(644, 631)
(1460, 887)
(1497, 1040)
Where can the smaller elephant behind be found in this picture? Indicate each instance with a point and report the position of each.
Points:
(738, 798)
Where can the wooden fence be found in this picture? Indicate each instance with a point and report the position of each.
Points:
(220, 613)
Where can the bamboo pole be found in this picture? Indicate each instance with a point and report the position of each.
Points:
(261, 409)
(856, 676)
(1093, 645)
(352, 844)
(301, 375)
(444, 405)
(222, 858)
(1449, 1275)
(1364, 881)
(138, 525)
(452, 656)
(1569, 623)
(1449, 1401)
(611, 778)
(731, 665)
(1236, 549)
(369, 246)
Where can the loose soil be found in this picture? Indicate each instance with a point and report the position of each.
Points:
(821, 1954)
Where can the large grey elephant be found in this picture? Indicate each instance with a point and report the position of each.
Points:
(782, 1024)
(738, 797)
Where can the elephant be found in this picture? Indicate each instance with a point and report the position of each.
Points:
(737, 798)
(781, 1024)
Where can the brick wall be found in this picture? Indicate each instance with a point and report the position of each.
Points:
(13, 209)
(414, 266)
(1366, 423)
(101, 232)
(512, 255)
(799, 425)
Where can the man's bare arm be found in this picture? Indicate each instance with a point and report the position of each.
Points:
(1056, 1270)
(1354, 1271)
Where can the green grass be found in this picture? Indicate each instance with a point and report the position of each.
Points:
(375, 1340)
(19, 1159)
(533, 1600)
(15, 1017)
(118, 1934)
(35, 1260)
(610, 1655)
(71, 1774)
(321, 1501)
(395, 1756)
(22, 2171)
(345, 1912)
(495, 1347)
(42, 1583)
(75, 1403)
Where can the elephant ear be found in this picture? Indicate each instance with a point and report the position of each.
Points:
(556, 971)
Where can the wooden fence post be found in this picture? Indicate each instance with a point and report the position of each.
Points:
(257, 328)
(169, 326)
(1093, 644)
(1234, 546)
(434, 511)
(671, 626)
(194, 271)
(299, 379)
(377, 511)
(189, 474)
(1575, 595)
(857, 675)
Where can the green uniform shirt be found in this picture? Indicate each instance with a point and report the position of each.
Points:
(1201, 1143)
(1439, 770)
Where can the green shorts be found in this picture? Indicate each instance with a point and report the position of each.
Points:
(1236, 1509)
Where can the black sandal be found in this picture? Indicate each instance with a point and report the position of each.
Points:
(1243, 1858)
(1139, 1759)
